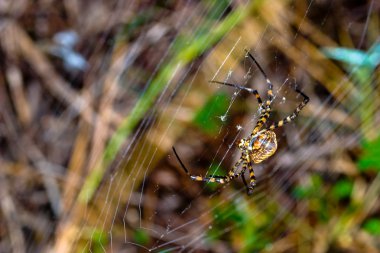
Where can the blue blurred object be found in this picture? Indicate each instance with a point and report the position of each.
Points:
(63, 48)
(354, 57)
(361, 66)
(67, 38)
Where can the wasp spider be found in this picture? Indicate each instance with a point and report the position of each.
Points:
(260, 144)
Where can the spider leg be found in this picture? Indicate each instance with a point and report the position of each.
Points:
(266, 109)
(262, 120)
(249, 90)
(232, 174)
(245, 183)
(252, 181)
(269, 83)
(249, 189)
(252, 178)
(291, 117)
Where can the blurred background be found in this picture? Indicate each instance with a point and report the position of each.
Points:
(94, 94)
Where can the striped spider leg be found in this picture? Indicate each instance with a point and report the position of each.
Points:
(260, 144)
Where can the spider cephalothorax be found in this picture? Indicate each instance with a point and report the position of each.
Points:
(261, 144)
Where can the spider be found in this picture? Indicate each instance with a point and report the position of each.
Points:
(260, 144)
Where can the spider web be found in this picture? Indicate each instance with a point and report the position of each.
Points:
(154, 93)
(132, 195)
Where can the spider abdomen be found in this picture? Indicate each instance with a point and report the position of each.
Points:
(263, 146)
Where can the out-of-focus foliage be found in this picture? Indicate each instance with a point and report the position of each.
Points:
(209, 117)
(93, 95)
(370, 157)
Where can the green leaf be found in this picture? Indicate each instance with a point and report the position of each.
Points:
(165, 251)
(208, 118)
(370, 158)
(372, 226)
(308, 191)
(342, 189)
(141, 237)
(316, 182)
(300, 192)
(98, 239)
